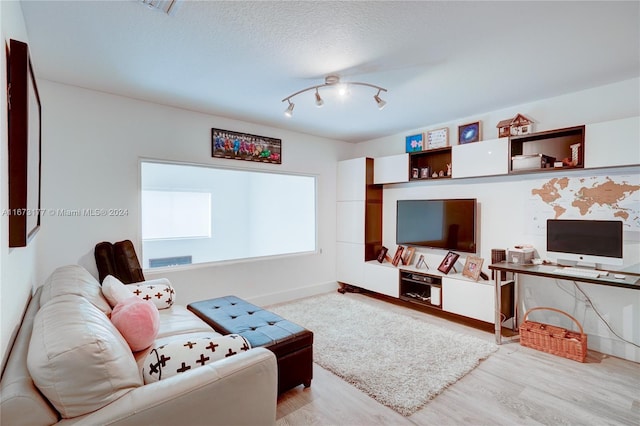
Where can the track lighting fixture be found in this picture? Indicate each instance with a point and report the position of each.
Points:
(289, 111)
(319, 101)
(381, 103)
(333, 80)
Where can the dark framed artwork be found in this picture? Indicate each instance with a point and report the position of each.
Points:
(468, 133)
(448, 262)
(382, 255)
(397, 257)
(245, 146)
(24, 150)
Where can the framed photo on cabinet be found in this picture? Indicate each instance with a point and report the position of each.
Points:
(438, 138)
(471, 132)
(448, 262)
(472, 267)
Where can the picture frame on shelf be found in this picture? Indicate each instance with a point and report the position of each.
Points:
(407, 256)
(438, 138)
(470, 132)
(414, 143)
(415, 173)
(397, 257)
(421, 262)
(448, 262)
(382, 254)
(473, 267)
(424, 173)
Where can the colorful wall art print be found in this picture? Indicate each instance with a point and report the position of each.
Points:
(245, 146)
(415, 142)
(468, 133)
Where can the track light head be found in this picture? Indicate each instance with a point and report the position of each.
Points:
(289, 111)
(381, 103)
(319, 101)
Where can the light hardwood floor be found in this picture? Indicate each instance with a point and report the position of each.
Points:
(514, 386)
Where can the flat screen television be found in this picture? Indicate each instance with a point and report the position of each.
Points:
(448, 224)
(585, 241)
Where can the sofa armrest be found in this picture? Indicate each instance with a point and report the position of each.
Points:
(240, 390)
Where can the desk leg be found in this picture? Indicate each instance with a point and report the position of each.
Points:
(498, 305)
(516, 291)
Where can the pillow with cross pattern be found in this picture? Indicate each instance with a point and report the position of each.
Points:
(182, 355)
(157, 291)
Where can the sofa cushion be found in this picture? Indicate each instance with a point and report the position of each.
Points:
(189, 353)
(179, 320)
(137, 320)
(74, 279)
(77, 358)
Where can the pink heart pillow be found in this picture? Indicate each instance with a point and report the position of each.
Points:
(138, 321)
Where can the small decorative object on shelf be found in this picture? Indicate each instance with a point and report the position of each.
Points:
(421, 262)
(472, 267)
(382, 254)
(415, 173)
(434, 175)
(448, 262)
(424, 173)
(414, 143)
(518, 125)
(575, 154)
(438, 138)
(449, 169)
(471, 132)
(407, 257)
(397, 256)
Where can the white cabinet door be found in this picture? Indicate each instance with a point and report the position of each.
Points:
(350, 221)
(612, 143)
(381, 279)
(350, 263)
(351, 180)
(484, 158)
(469, 298)
(391, 169)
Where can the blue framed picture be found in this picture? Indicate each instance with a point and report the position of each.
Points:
(415, 143)
(468, 133)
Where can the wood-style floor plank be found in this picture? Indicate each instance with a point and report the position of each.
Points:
(515, 386)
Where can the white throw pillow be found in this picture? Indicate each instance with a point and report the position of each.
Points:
(184, 355)
(114, 290)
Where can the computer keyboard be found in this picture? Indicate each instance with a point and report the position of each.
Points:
(580, 272)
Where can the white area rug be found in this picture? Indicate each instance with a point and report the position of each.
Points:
(398, 360)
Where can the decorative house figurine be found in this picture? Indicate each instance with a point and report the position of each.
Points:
(518, 125)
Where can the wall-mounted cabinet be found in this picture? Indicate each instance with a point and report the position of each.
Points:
(423, 165)
(538, 152)
(613, 143)
(391, 169)
(484, 158)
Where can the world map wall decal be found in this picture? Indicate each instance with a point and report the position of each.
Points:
(593, 197)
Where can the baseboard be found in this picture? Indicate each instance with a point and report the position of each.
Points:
(293, 294)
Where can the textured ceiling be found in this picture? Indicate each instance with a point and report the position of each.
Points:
(440, 61)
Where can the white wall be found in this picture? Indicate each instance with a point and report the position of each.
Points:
(502, 211)
(17, 265)
(92, 145)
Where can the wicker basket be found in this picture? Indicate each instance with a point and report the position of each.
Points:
(552, 339)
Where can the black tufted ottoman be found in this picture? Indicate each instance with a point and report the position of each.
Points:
(292, 344)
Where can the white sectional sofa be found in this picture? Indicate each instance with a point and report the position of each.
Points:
(68, 345)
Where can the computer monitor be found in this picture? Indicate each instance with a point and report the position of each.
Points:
(585, 241)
